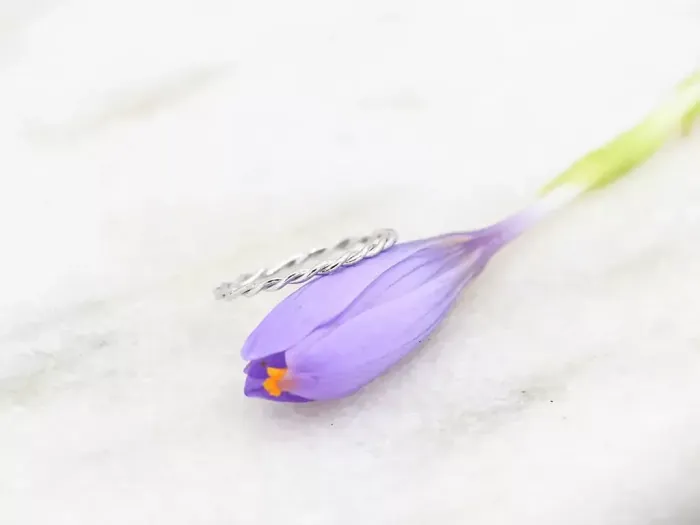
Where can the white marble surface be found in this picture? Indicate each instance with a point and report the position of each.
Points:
(150, 149)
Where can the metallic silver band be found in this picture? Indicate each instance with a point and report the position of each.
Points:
(353, 251)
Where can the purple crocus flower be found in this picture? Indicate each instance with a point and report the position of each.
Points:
(339, 332)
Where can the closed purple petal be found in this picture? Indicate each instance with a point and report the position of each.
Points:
(320, 301)
(404, 277)
(358, 350)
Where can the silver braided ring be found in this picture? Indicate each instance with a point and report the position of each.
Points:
(353, 251)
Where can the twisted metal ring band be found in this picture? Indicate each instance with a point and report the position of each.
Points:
(354, 250)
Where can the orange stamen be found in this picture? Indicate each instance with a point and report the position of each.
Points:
(271, 384)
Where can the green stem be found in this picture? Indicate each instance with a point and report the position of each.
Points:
(630, 149)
